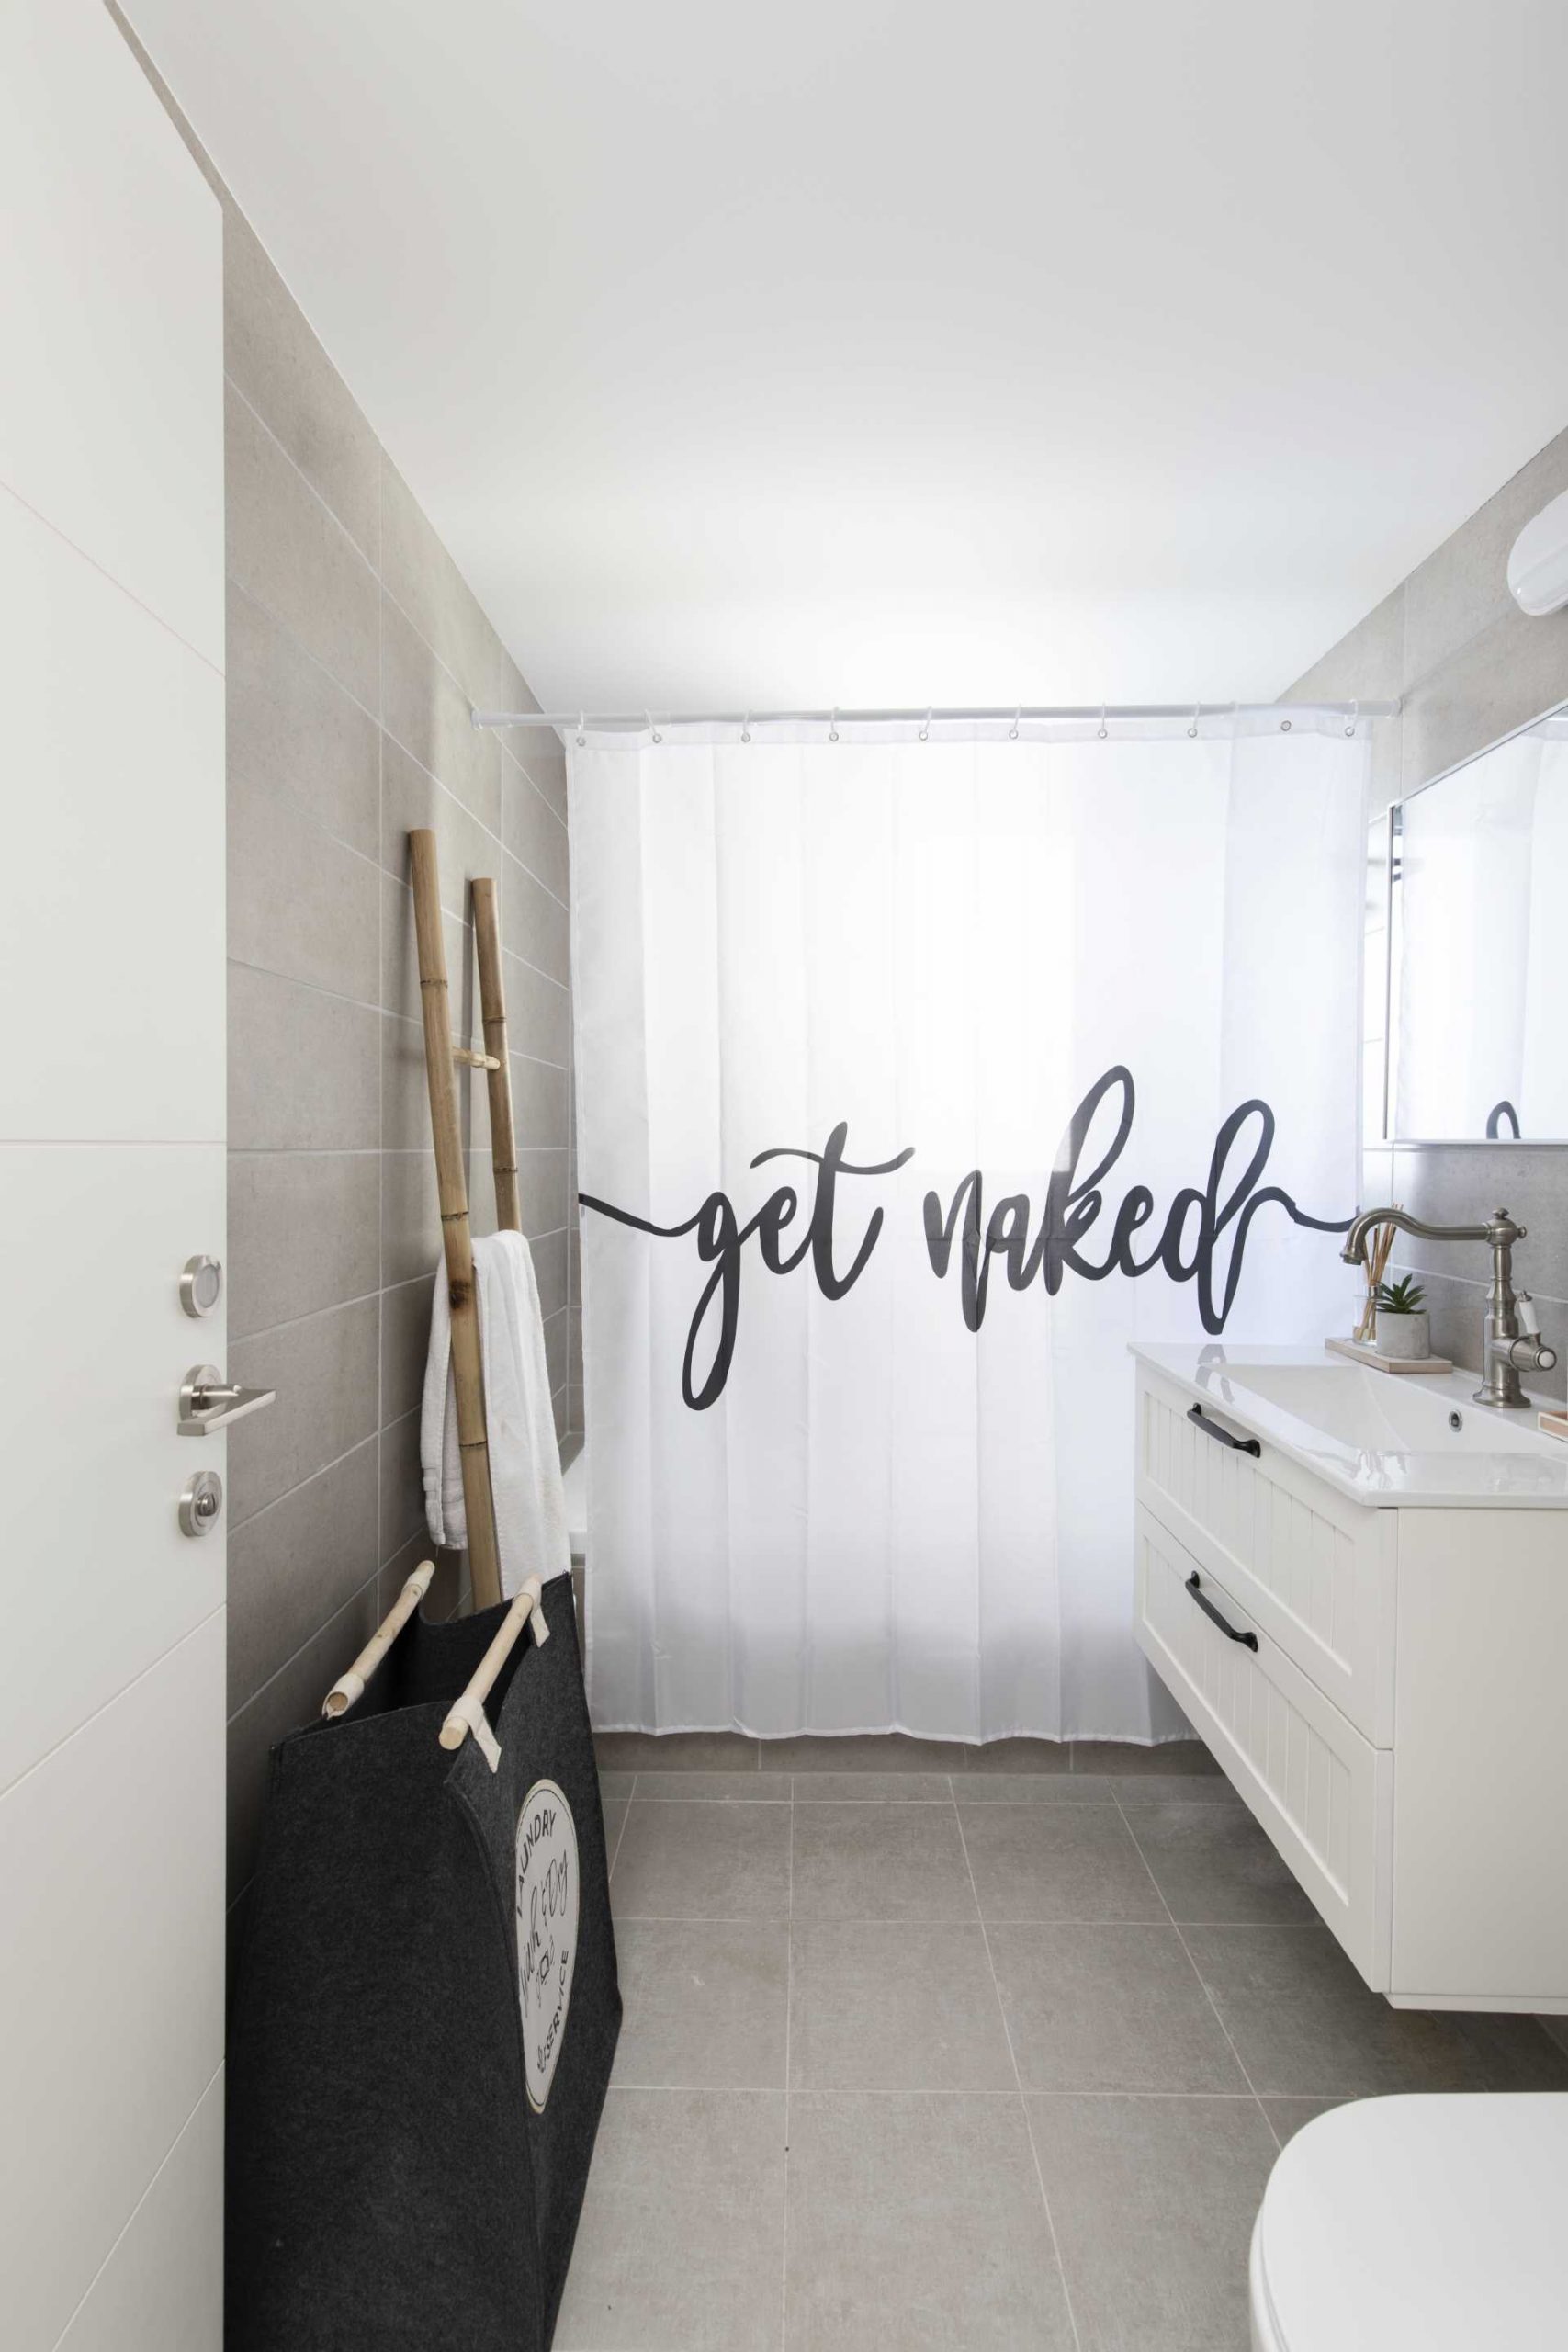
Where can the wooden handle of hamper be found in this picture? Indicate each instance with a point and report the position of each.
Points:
(469, 1713)
(456, 1241)
(350, 1686)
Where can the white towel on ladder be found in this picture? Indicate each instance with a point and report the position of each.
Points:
(525, 1460)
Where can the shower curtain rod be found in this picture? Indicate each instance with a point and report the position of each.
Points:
(639, 722)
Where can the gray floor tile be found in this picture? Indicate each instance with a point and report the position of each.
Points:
(1305, 2023)
(1288, 2115)
(1020, 1756)
(615, 1811)
(866, 1788)
(615, 1788)
(706, 2004)
(916, 2225)
(1153, 2201)
(1057, 1861)
(880, 1861)
(1213, 1862)
(1108, 2009)
(1517, 2053)
(714, 1788)
(702, 1861)
(674, 1751)
(891, 1751)
(1126, 1757)
(1168, 1788)
(894, 2005)
(1031, 1788)
(680, 2246)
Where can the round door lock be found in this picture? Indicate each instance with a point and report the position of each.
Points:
(201, 1286)
(201, 1503)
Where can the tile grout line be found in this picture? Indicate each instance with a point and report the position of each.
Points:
(375, 565)
(328, 1307)
(251, 1517)
(313, 490)
(1187, 1950)
(28, 1770)
(363, 1297)
(881, 1919)
(137, 2209)
(314, 1635)
(253, 598)
(862, 2091)
(620, 1835)
(1017, 2078)
(121, 587)
(461, 916)
(460, 1035)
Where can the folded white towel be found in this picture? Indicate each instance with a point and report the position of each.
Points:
(525, 1460)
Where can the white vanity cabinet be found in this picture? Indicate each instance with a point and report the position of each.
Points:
(1385, 1683)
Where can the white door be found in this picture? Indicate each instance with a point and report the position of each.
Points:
(112, 1084)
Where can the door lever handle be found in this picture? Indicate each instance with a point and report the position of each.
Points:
(208, 1401)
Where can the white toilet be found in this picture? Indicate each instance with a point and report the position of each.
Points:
(1428, 2224)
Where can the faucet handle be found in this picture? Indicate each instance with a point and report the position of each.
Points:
(1529, 1315)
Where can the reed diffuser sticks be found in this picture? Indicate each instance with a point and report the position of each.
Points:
(1379, 1249)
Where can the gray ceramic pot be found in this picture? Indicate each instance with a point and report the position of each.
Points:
(1409, 1336)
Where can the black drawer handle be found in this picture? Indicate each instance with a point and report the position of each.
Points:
(1199, 1420)
(1248, 1641)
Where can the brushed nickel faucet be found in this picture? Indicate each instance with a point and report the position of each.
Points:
(1511, 1341)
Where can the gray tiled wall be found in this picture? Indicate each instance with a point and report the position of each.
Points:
(355, 653)
(1469, 668)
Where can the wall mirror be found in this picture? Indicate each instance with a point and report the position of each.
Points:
(1465, 1038)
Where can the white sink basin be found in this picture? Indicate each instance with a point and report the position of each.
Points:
(1382, 1412)
(1380, 1437)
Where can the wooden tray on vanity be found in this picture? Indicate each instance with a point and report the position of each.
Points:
(1364, 1353)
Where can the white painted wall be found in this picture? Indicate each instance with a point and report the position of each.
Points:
(112, 1145)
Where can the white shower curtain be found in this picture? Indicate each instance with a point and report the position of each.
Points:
(838, 1002)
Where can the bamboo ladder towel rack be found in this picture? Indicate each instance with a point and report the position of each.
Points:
(451, 1183)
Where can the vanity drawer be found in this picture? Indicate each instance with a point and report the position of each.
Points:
(1316, 1571)
(1322, 1792)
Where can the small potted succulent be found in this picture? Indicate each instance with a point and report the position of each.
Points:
(1403, 1326)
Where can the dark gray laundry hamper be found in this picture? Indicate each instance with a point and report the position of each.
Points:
(400, 2173)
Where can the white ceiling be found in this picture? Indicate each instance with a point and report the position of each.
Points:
(856, 351)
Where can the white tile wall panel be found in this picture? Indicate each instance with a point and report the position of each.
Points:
(111, 291)
(93, 1348)
(111, 1956)
(111, 888)
(161, 2286)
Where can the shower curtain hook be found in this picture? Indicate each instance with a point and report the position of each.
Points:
(926, 729)
(1012, 730)
(579, 724)
(1103, 727)
(746, 729)
(1354, 714)
(651, 728)
(1197, 708)
(834, 725)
